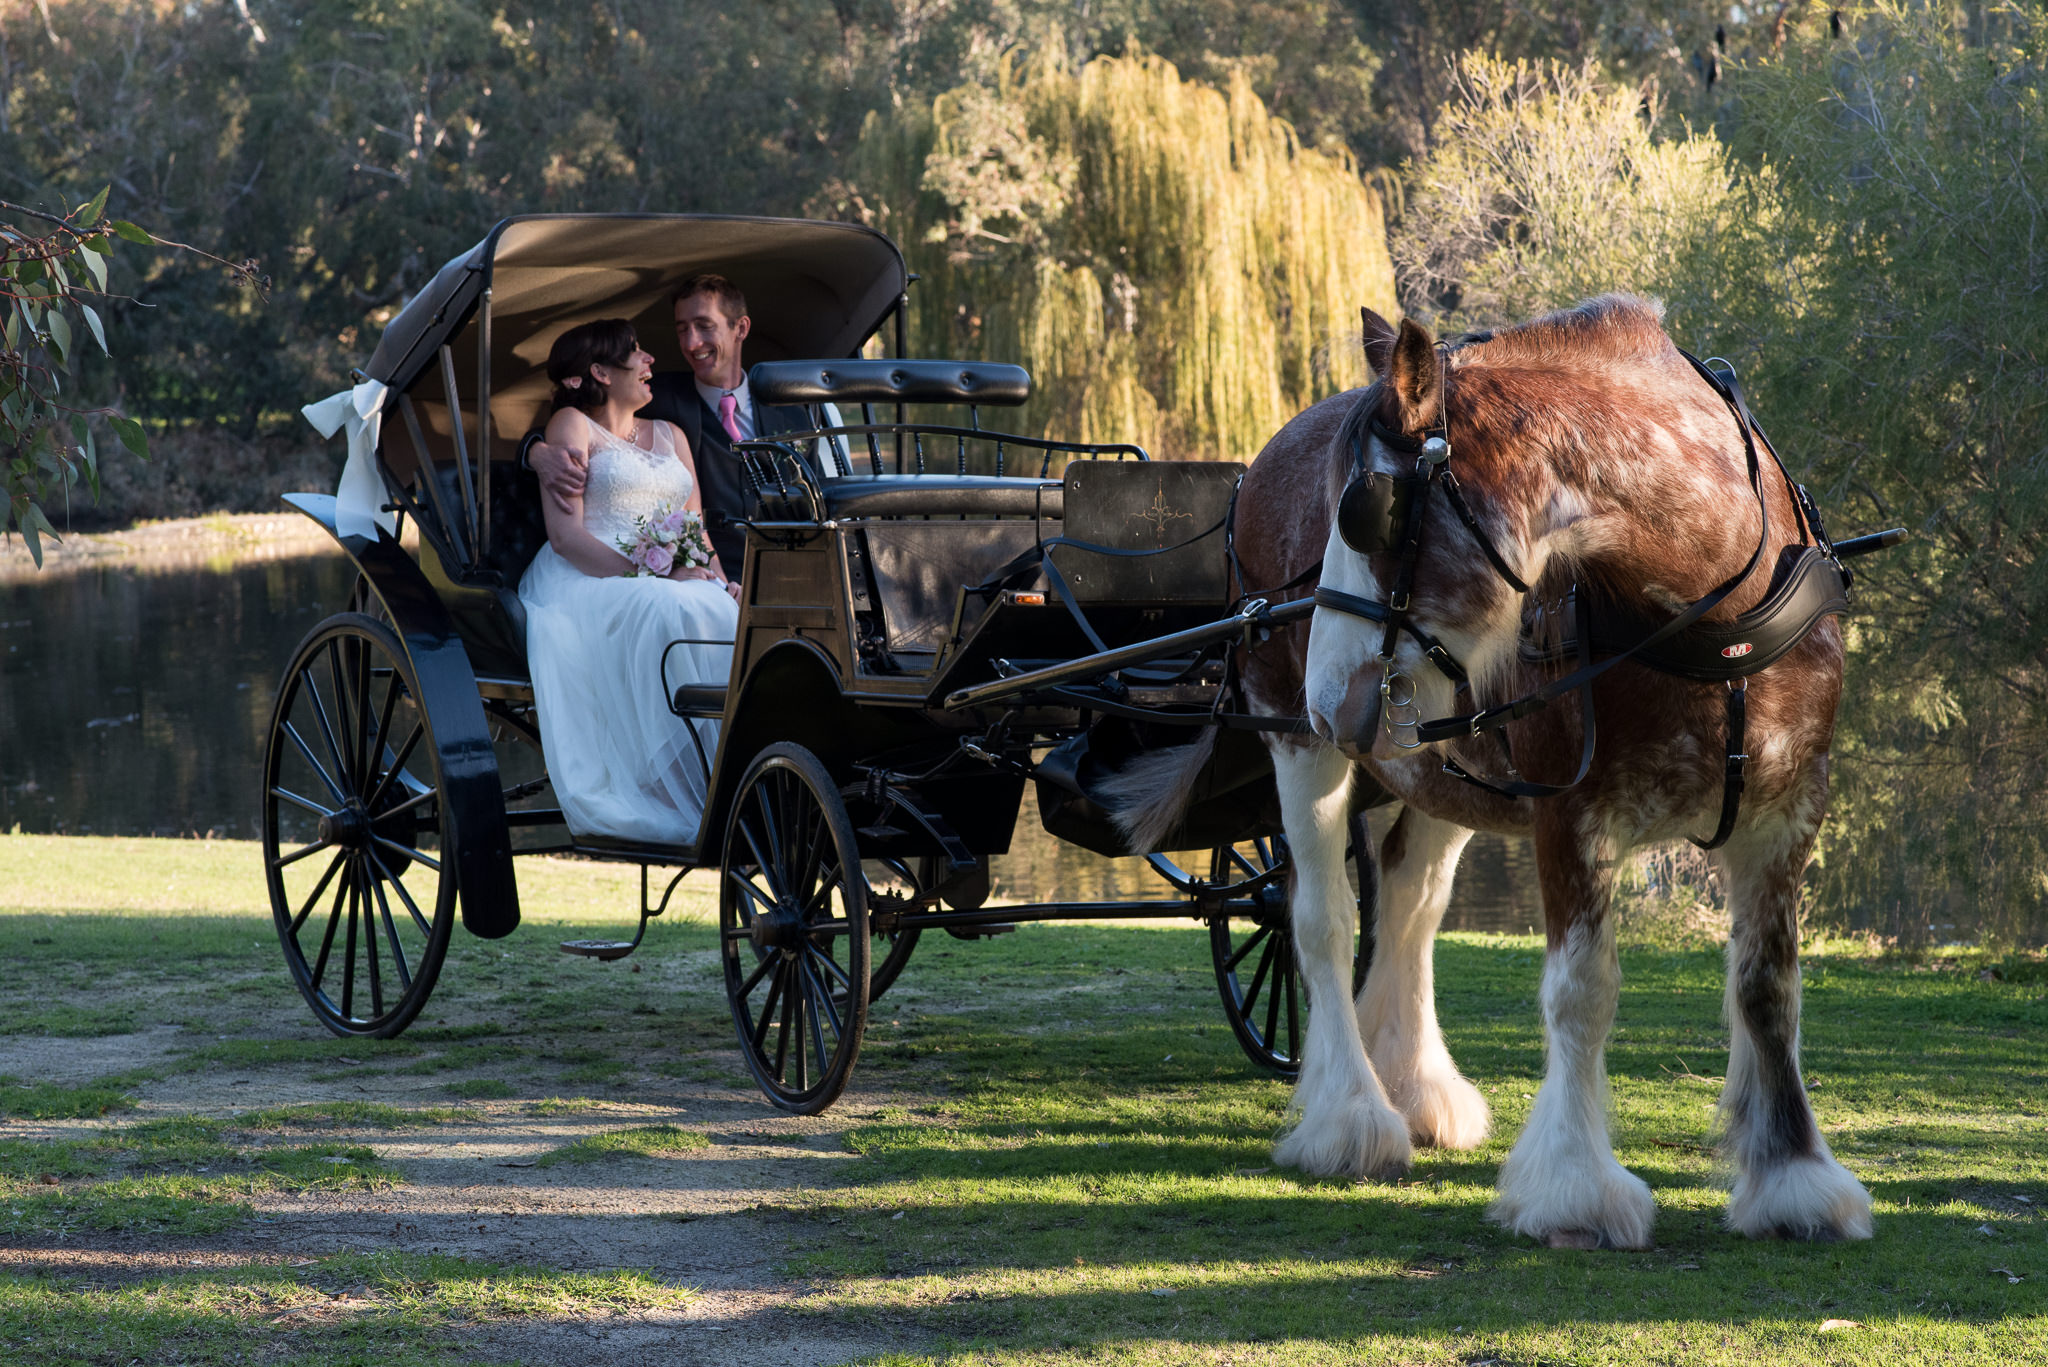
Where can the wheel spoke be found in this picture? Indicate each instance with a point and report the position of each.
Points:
(384, 715)
(793, 1027)
(754, 978)
(1273, 993)
(408, 851)
(771, 814)
(786, 980)
(391, 935)
(824, 892)
(293, 798)
(769, 871)
(327, 726)
(1258, 979)
(300, 853)
(425, 794)
(768, 1006)
(319, 973)
(398, 886)
(746, 885)
(348, 963)
(1293, 1017)
(815, 1000)
(318, 768)
(1251, 942)
(307, 908)
(821, 1005)
(397, 767)
(370, 946)
(826, 960)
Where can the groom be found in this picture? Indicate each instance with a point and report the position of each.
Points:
(712, 406)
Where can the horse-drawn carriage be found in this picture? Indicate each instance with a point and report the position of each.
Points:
(966, 612)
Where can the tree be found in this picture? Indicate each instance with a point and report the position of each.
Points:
(49, 276)
(1168, 259)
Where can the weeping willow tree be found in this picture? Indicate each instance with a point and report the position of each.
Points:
(1167, 259)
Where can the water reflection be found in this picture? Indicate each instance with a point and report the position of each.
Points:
(134, 700)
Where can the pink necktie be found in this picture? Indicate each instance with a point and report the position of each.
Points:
(729, 415)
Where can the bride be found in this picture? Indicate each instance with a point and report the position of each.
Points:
(623, 765)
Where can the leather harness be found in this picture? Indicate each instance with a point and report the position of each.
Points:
(1378, 513)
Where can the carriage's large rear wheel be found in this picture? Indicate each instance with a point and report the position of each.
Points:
(793, 929)
(1252, 945)
(354, 830)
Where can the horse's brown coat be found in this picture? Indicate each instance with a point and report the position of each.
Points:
(1592, 453)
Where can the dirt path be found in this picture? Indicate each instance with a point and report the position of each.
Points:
(712, 1219)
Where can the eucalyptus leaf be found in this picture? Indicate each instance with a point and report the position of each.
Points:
(128, 232)
(60, 332)
(92, 320)
(89, 213)
(131, 434)
(96, 265)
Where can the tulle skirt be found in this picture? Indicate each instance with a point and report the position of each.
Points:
(623, 765)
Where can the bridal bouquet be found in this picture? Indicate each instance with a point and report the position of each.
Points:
(663, 539)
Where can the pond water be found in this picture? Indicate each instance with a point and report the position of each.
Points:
(135, 698)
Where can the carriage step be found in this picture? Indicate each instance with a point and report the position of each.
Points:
(599, 949)
(980, 932)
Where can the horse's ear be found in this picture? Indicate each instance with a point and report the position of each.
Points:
(1415, 378)
(1379, 341)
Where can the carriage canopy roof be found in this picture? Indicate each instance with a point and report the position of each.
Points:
(814, 290)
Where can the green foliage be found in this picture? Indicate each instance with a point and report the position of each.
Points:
(1168, 260)
(1868, 246)
(53, 284)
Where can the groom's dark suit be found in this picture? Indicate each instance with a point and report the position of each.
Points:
(724, 485)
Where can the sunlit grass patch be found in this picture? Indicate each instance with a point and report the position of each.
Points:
(31, 1159)
(482, 1089)
(640, 1141)
(68, 1021)
(187, 1140)
(358, 1310)
(57, 1101)
(213, 1196)
(568, 1105)
(362, 1115)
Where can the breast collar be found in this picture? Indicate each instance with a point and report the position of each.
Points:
(1377, 513)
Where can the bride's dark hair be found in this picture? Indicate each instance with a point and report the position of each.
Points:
(607, 342)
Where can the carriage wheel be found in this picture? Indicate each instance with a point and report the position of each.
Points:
(354, 831)
(793, 930)
(1252, 945)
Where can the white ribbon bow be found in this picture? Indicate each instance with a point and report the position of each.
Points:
(359, 498)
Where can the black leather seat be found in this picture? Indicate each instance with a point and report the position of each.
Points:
(854, 496)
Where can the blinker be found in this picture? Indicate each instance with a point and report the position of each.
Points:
(1372, 512)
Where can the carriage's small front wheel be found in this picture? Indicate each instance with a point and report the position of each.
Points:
(355, 846)
(793, 929)
(1251, 944)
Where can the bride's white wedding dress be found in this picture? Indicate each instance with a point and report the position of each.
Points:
(623, 765)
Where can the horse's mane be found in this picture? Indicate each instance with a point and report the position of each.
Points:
(1610, 330)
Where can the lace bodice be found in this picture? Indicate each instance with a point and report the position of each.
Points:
(628, 481)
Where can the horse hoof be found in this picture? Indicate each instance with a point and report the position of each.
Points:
(1358, 1138)
(1446, 1112)
(1814, 1200)
(1576, 1238)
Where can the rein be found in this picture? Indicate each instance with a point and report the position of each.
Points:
(1376, 514)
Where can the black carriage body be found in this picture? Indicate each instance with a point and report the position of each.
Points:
(958, 613)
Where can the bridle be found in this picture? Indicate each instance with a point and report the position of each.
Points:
(1379, 514)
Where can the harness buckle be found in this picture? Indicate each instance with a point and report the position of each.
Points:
(1398, 699)
(1399, 602)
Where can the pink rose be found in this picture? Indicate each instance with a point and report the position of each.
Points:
(660, 560)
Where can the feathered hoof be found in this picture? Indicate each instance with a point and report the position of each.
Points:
(1808, 1198)
(1445, 1111)
(1358, 1137)
(1586, 1205)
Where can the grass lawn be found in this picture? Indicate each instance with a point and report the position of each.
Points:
(1070, 1161)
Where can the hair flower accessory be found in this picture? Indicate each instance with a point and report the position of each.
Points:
(663, 539)
(573, 382)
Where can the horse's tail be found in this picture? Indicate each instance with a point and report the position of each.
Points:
(1147, 797)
